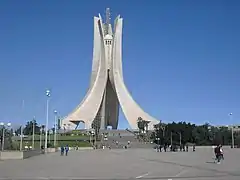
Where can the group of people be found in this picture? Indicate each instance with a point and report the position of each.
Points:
(173, 148)
(64, 149)
(218, 150)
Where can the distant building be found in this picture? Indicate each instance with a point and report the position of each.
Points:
(236, 127)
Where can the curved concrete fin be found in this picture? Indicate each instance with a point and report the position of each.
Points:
(90, 105)
(129, 107)
(96, 51)
(107, 89)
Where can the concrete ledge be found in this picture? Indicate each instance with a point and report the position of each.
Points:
(211, 147)
(27, 154)
(75, 149)
(51, 150)
(85, 148)
(5, 155)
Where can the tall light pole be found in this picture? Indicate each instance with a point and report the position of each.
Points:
(21, 133)
(21, 138)
(163, 130)
(46, 126)
(49, 136)
(33, 132)
(55, 128)
(158, 140)
(105, 139)
(180, 138)
(171, 139)
(3, 133)
(163, 127)
(40, 143)
(232, 129)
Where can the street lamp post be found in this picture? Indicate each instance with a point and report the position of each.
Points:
(93, 138)
(40, 144)
(33, 133)
(158, 140)
(105, 139)
(46, 127)
(232, 129)
(163, 130)
(49, 136)
(102, 136)
(163, 127)
(55, 128)
(158, 144)
(90, 139)
(21, 133)
(21, 138)
(3, 133)
(171, 139)
(180, 138)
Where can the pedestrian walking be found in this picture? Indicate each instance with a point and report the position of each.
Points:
(66, 150)
(218, 154)
(62, 150)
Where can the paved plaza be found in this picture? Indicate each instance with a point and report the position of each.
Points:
(125, 164)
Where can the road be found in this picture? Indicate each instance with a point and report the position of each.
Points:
(125, 164)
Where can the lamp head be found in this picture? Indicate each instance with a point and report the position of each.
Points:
(55, 111)
(9, 124)
(48, 93)
(1, 124)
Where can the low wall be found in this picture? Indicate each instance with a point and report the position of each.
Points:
(211, 147)
(51, 150)
(85, 148)
(75, 149)
(27, 154)
(5, 155)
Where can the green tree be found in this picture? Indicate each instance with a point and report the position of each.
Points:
(190, 133)
(28, 129)
(142, 125)
(237, 140)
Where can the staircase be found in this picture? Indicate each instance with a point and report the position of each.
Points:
(118, 139)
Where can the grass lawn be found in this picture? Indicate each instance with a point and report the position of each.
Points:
(71, 143)
(60, 137)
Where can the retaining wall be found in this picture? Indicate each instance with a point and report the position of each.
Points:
(5, 155)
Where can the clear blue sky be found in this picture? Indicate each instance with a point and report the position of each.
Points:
(181, 59)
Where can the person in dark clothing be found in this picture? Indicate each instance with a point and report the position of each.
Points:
(66, 150)
(165, 148)
(160, 146)
(62, 150)
(194, 148)
(42, 149)
(218, 153)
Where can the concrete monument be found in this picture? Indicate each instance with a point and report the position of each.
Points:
(107, 89)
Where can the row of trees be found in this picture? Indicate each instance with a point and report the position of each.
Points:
(183, 133)
(28, 128)
(176, 133)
